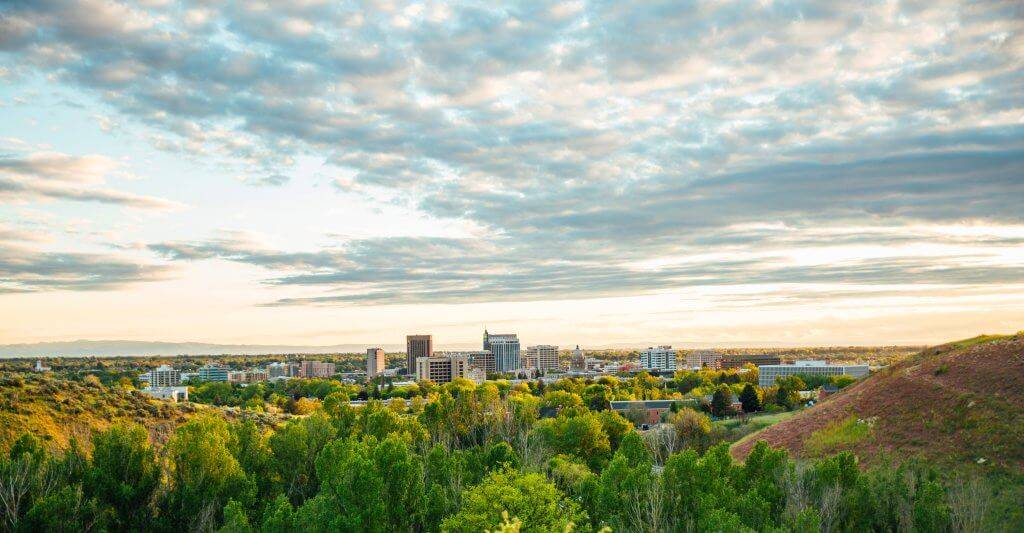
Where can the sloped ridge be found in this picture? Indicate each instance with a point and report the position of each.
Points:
(961, 401)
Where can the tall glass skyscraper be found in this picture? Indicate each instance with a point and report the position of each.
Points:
(505, 348)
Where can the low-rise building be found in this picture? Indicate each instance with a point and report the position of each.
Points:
(703, 359)
(253, 375)
(212, 372)
(174, 394)
(769, 373)
(660, 359)
(648, 411)
(739, 361)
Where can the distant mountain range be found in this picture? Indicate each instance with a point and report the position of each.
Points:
(116, 348)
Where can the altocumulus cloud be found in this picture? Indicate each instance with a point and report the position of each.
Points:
(605, 147)
(29, 269)
(50, 175)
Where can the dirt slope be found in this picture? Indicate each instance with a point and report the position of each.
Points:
(962, 401)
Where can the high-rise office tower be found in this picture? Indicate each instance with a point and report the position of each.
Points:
(505, 348)
(375, 362)
(417, 346)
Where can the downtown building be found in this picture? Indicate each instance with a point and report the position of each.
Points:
(660, 359)
(543, 357)
(578, 360)
(482, 359)
(445, 368)
(316, 369)
(767, 374)
(376, 362)
(417, 346)
(505, 348)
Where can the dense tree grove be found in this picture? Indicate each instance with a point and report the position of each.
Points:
(464, 457)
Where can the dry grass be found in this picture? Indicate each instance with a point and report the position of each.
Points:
(961, 403)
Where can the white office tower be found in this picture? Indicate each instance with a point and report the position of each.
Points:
(660, 359)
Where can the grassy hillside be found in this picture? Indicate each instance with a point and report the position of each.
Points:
(57, 411)
(958, 403)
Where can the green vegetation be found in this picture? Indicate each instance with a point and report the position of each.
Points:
(980, 339)
(838, 435)
(298, 456)
(472, 458)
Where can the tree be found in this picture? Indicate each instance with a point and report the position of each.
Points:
(279, 516)
(748, 397)
(295, 447)
(204, 474)
(235, 520)
(721, 400)
(693, 429)
(67, 510)
(366, 487)
(124, 473)
(528, 498)
(582, 436)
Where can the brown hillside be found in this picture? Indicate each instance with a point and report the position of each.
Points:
(961, 401)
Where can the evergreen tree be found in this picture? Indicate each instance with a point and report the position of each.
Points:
(748, 397)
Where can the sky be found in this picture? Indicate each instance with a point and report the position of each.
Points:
(595, 173)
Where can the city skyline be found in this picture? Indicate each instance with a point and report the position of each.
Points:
(770, 174)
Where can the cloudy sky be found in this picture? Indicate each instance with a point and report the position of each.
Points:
(316, 172)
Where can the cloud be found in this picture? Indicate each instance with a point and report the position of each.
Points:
(582, 140)
(28, 270)
(47, 175)
(443, 270)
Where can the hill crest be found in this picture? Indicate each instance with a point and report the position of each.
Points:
(961, 401)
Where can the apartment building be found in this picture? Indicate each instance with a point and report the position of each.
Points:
(162, 376)
(543, 357)
(316, 369)
(659, 359)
